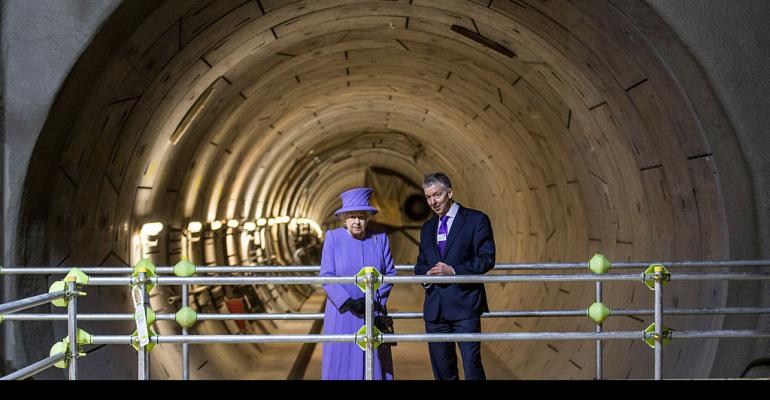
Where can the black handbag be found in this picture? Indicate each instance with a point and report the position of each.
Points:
(384, 323)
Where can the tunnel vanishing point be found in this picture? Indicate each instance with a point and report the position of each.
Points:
(635, 129)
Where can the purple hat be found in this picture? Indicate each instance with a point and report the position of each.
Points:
(356, 200)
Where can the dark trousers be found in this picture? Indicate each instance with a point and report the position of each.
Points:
(443, 358)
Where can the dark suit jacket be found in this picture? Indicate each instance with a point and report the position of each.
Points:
(470, 250)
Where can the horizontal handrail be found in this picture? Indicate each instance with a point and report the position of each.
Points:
(30, 302)
(295, 280)
(432, 337)
(35, 368)
(401, 267)
(203, 339)
(394, 315)
(475, 337)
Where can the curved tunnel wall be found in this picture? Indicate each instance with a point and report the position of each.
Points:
(569, 132)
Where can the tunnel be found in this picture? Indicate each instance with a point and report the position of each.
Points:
(237, 124)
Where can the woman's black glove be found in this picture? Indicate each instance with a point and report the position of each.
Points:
(357, 307)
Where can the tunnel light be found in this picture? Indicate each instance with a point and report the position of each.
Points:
(148, 236)
(317, 228)
(233, 223)
(151, 229)
(282, 220)
(270, 221)
(261, 222)
(250, 226)
(215, 225)
(194, 227)
(245, 239)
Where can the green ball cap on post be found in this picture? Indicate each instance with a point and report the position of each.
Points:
(186, 317)
(598, 312)
(599, 264)
(184, 268)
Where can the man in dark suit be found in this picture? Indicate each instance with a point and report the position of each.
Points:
(458, 241)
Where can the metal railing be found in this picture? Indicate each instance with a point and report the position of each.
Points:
(69, 293)
(368, 338)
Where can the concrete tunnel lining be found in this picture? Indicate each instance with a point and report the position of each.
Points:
(663, 163)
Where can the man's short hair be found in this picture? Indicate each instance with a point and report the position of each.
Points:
(437, 178)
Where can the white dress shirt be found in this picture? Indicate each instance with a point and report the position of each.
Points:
(451, 213)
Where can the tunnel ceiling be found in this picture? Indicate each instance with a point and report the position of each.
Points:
(248, 109)
(557, 118)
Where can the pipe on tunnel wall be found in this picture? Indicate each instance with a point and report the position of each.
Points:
(546, 142)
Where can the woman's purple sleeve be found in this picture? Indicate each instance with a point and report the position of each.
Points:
(390, 270)
(334, 291)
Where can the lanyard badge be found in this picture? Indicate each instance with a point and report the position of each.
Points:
(140, 316)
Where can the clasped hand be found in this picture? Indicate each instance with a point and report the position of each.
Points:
(441, 269)
(356, 306)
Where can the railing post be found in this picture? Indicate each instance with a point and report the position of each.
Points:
(658, 321)
(72, 326)
(598, 330)
(185, 346)
(656, 335)
(184, 268)
(599, 264)
(369, 281)
(140, 304)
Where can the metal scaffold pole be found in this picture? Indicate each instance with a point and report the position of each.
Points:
(658, 324)
(72, 327)
(598, 330)
(30, 302)
(369, 325)
(35, 368)
(143, 362)
(185, 346)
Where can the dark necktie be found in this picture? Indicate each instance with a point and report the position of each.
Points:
(442, 230)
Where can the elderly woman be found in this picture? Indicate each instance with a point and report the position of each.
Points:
(345, 251)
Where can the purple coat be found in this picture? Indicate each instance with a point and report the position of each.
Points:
(344, 255)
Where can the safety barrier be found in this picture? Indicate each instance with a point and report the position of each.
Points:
(144, 276)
